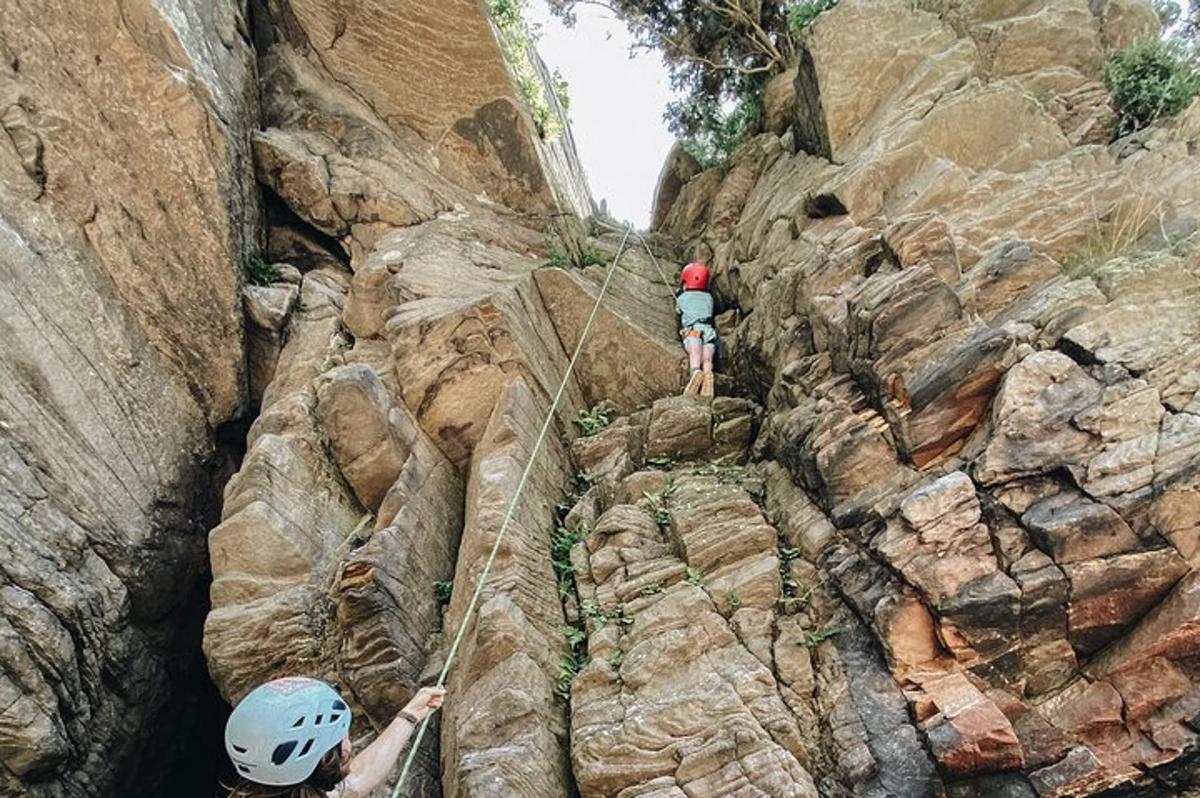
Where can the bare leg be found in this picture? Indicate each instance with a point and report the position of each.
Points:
(708, 387)
(692, 346)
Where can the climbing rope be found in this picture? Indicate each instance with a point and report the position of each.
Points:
(512, 505)
(670, 284)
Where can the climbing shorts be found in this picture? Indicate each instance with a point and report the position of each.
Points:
(705, 332)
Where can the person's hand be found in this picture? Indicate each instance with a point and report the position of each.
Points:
(425, 701)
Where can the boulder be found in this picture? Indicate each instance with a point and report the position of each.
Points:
(632, 354)
(679, 168)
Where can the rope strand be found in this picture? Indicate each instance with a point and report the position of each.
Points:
(487, 567)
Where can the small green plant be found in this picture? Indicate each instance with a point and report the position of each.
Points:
(694, 576)
(726, 474)
(556, 253)
(517, 41)
(1150, 80)
(259, 272)
(660, 463)
(442, 592)
(569, 666)
(814, 639)
(651, 590)
(596, 418)
(571, 663)
(804, 13)
(658, 504)
(733, 600)
(616, 659)
(574, 636)
(562, 540)
(581, 483)
(557, 256)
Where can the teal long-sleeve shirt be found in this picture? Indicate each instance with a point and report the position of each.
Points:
(694, 307)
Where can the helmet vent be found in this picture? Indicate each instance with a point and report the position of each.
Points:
(307, 747)
(243, 768)
(318, 720)
(339, 706)
(299, 722)
(283, 751)
(334, 718)
(239, 749)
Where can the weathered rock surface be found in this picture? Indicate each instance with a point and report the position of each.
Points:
(127, 207)
(507, 735)
(945, 546)
(981, 392)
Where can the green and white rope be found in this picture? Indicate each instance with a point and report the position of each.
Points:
(512, 505)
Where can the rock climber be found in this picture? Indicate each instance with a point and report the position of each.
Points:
(289, 738)
(695, 307)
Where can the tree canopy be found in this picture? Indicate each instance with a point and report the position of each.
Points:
(719, 53)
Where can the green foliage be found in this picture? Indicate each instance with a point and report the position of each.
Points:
(596, 418)
(658, 504)
(616, 659)
(574, 636)
(802, 14)
(562, 540)
(518, 40)
(442, 591)
(733, 600)
(600, 616)
(581, 483)
(719, 55)
(660, 463)
(569, 666)
(814, 639)
(796, 603)
(1151, 80)
(259, 272)
(557, 256)
(726, 473)
(694, 576)
(651, 589)
(714, 128)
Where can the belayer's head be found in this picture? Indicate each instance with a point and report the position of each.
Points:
(694, 277)
(290, 732)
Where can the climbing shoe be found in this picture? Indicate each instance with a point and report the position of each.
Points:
(708, 389)
(694, 384)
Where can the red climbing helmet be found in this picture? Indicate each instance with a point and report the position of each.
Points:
(694, 276)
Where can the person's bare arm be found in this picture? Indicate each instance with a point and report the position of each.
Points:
(371, 768)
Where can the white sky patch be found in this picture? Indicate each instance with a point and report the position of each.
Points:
(617, 103)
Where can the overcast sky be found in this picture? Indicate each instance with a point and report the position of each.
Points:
(616, 106)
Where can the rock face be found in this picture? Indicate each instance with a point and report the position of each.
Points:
(126, 210)
(939, 536)
(990, 403)
(407, 62)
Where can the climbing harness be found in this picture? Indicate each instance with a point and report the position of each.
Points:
(512, 505)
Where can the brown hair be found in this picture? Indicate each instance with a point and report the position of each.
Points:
(329, 773)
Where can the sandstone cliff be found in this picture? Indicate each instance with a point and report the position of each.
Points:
(938, 536)
(127, 205)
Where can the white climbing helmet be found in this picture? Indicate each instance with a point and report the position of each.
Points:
(278, 733)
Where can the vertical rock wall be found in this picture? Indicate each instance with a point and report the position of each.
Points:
(126, 210)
